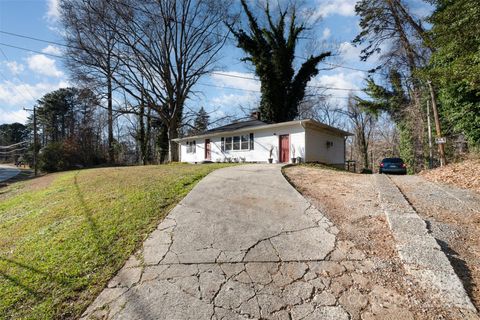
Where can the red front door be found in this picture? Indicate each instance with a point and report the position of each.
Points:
(284, 148)
(207, 149)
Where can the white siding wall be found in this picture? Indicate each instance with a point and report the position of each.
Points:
(316, 146)
(263, 140)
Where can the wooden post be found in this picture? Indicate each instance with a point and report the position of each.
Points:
(441, 146)
(430, 146)
(35, 140)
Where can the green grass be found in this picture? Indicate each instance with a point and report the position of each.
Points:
(62, 238)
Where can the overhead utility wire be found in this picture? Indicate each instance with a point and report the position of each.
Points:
(12, 151)
(212, 72)
(336, 65)
(18, 78)
(258, 91)
(13, 145)
(208, 85)
(233, 39)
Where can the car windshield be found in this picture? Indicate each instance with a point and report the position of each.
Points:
(392, 160)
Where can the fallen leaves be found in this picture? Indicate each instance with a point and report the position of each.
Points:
(465, 174)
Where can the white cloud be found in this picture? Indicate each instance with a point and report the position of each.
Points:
(341, 80)
(52, 50)
(53, 10)
(349, 53)
(237, 80)
(13, 116)
(335, 7)
(326, 33)
(43, 65)
(15, 67)
(231, 101)
(19, 95)
(421, 9)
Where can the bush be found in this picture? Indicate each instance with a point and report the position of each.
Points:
(366, 171)
(56, 156)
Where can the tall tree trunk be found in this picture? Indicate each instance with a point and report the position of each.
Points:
(173, 127)
(415, 114)
(362, 147)
(172, 145)
(111, 150)
(162, 143)
(148, 135)
(441, 146)
(141, 134)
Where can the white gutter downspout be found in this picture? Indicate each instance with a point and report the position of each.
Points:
(302, 123)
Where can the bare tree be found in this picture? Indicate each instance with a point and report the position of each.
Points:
(166, 47)
(363, 123)
(390, 27)
(322, 109)
(90, 31)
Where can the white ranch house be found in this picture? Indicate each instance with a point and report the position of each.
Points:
(254, 141)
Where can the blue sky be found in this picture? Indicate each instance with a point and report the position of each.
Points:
(26, 76)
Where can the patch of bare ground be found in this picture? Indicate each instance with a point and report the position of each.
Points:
(453, 217)
(351, 202)
(465, 174)
(16, 185)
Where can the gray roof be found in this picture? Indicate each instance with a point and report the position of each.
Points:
(257, 124)
(237, 126)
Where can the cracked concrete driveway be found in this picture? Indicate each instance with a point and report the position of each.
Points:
(243, 244)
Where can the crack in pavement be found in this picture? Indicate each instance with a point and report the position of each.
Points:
(184, 275)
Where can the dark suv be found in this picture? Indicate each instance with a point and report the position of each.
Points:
(393, 165)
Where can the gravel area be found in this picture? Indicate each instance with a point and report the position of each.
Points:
(351, 202)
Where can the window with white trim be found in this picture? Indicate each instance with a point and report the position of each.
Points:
(191, 147)
(237, 143)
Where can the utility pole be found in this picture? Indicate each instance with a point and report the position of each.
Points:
(430, 147)
(35, 148)
(441, 146)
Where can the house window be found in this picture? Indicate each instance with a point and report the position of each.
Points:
(191, 147)
(236, 143)
(243, 142)
(228, 143)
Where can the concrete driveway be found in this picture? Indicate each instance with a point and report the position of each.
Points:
(7, 172)
(243, 244)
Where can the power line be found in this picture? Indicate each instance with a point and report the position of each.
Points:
(258, 91)
(36, 39)
(31, 50)
(18, 78)
(12, 151)
(336, 65)
(212, 72)
(234, 39)
(13, 145)
(309, 86)
(225, 87)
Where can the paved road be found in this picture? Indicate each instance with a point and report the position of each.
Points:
(7, 172)
(243, 244)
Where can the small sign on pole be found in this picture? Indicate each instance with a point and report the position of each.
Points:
(440, 140)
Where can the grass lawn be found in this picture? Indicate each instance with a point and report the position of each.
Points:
(63, 236)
